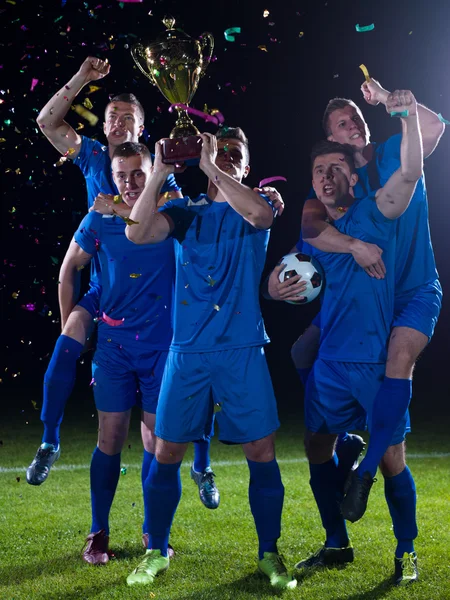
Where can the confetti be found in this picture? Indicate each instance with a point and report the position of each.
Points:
(301, 34)
(34, 83)
(87, 103)
(93, 88)
(442, 120)
(365, 72)
(228, 33)
(117, 199)
(266, 13)
(135, 275)
(402, 113)
(267, 180)
(123, 471)
(217, 118)
(363, 28)
(216, 307)
(85, 114)
(111, 322)
(263, 48)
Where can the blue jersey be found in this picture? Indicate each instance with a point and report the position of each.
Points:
(95, 164)
(219, 259)
(137, 284)
(357, 310)
(415, 264)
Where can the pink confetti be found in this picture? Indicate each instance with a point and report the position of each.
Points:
(34, 83)
(131, 1)
(112, 322)
(267, 180)
(217, 119)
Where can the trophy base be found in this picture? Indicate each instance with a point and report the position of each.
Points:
(182, 150)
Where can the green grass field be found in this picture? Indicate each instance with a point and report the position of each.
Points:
(43, 529)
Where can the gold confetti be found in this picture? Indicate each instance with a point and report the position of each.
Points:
(34, 403)
(79, 126)
(117, 199)
(301, 34)
(87, 103)
(135, 275)
(80, 267)
(365, 72)
(216, 307)
(129, 221)
(266, 13)
(71, 151)
(85, 114)
(263, 48)
(15, 295)
(92, 89)
(184, 302)
(211, 281)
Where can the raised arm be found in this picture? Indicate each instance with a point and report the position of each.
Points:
(318, 232)
(393, 199)
(431, 127)
(51, 118)
(249, 204)
(69, 279)
(151, 226)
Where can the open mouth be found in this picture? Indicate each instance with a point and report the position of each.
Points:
(133, 195)
(328, 190)
(118, 133)
(356, 136)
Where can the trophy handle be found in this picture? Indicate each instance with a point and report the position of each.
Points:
(138, 54)
(207, 44)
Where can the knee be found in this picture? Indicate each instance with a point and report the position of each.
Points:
(393, 461)
(111, 446)
(400, 363)
(319, 448)
(169, 453)
(261, 450)
(303, 354)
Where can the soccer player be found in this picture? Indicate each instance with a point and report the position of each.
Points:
(356, 318)
(124, 121)
(418, 294)
(134, 333)
(216, 358)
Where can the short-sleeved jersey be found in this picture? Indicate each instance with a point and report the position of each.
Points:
(357, 310)
(95, 164)
(415, 264)
(137, 284)
(219, 260)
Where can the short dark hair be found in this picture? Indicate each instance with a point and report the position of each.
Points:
(131, 149)
(234, 133)
(130, 99)
(335, 104)
(325, 147)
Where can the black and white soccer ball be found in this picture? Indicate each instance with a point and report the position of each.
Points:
(309, 270)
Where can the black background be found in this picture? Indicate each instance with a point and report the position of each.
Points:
(277, 97)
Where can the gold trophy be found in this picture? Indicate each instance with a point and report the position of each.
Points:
(174, 62)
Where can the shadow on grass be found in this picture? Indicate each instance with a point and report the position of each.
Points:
(377, 592)
(18, 574)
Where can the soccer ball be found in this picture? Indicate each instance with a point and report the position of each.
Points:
(310, 271)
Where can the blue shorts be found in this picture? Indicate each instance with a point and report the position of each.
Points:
(339, 397)
(235, 383)
(91, 301)
(123, 379)
(419, 309)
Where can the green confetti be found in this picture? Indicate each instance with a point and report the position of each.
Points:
(123, 471)
(402, 113)
(442, 120)
(363, 28)
(58, 19)
(228, 33)
(55, 260)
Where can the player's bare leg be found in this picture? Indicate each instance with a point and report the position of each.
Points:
(59, 380)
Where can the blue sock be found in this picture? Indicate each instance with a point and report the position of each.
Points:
(105, 471)
(304, 374)
(389, 407)
(162, 492)
(58, 384)
(325, 486)
(146, 462)
(345, 460)
(201, 455)
(266, 495)
(400, 492)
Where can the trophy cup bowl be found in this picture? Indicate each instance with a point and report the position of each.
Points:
(174, 63)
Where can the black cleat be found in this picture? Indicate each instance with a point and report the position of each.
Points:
(39, 469)
(406, 571)
(348, 452)
(328, 557)
(357, 490)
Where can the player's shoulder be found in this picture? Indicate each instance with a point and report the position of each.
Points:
(93, 221)
(91, 150)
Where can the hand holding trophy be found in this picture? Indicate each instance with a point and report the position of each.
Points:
(174, 63)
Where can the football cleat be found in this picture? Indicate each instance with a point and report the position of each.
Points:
(207, 490)
(39, 469)
(273, 567)
(357, 490)
(406, 571)
(328, 557)
(349, 451)
(152, 565)
(95, 551)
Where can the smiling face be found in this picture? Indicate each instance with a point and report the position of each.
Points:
(347, 126)
(332, 178)
(123, 123)
(232, 158)
(130, 175)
